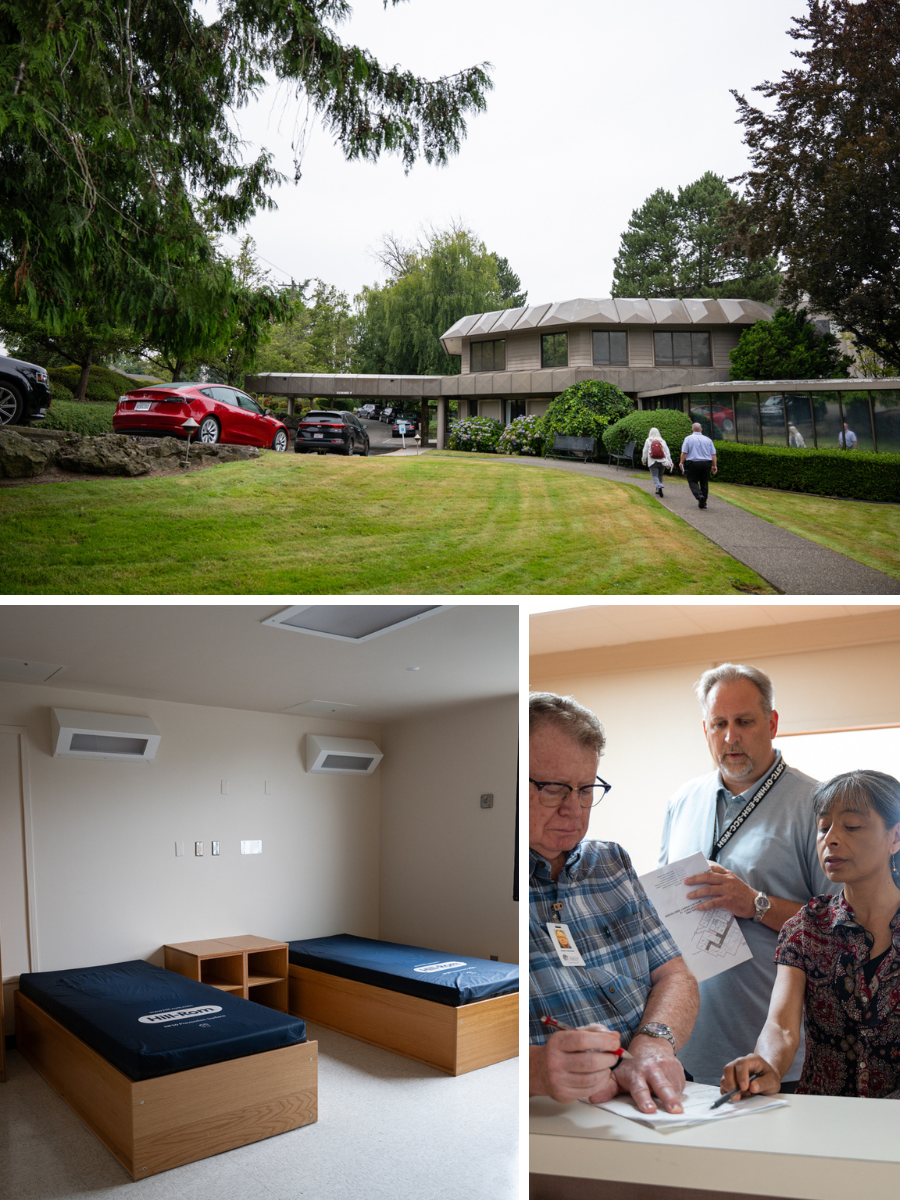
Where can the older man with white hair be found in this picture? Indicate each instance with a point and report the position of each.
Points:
(753, 819)
(698, 458)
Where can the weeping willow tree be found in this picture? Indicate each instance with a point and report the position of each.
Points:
(446, 276)
(119, 163)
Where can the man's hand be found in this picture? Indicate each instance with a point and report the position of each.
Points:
(653, 1071)
(715, 469)
(573, 1064)
(718, 888)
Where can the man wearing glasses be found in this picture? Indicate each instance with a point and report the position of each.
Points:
(601, 961)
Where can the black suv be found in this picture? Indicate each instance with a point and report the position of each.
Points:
(322, 431)
(24, 392)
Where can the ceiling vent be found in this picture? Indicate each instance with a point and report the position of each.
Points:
(351, 622)
(340, 756)
(77, 734)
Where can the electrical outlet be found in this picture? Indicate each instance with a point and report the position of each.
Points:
(215, 848)
(251, 847)
(179, 849)
(198, 849)
(494, 958)
(487, 800)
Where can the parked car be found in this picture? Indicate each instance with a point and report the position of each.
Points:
(771, 410)
(722, 417)
(24, 392)
(386, 415)
(409, 422)
(325, 432)
(369, 412)
(223, 414)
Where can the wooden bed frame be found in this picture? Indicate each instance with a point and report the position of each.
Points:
(155, 1124)
(454, 1040)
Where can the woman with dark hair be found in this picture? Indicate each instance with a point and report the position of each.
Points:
(839, 957)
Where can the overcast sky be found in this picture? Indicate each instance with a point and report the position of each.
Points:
(596, 103)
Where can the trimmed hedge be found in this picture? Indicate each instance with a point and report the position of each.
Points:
(75, 417)
(674, 426)
(851, 474)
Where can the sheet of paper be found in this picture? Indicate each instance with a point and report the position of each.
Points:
(711, 942)
(696, 1100)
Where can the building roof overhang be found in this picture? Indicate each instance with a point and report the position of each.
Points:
(778, 385)
(605, 312)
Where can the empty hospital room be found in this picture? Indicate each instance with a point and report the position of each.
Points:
(258, 904)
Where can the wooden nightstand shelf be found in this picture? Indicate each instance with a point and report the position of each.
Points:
(253, 967)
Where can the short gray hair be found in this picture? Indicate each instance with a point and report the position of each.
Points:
(735, 673)
(568, 716)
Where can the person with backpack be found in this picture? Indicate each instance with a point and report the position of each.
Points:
(656, 454)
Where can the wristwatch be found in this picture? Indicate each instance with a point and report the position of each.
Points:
(762, 904)
(658, 1030)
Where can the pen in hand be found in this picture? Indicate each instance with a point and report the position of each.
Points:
(552, 1023)
(734, 1091)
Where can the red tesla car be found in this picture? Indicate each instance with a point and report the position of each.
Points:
(223, 414)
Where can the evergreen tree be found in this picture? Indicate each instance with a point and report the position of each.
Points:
(824, 185)
(788, 347)
(674, 247)
(510, 283)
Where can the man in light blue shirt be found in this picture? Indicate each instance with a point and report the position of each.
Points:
(765, 871)
(847, 438)
(698, 456)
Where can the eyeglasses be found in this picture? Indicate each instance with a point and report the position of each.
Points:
(552, 795)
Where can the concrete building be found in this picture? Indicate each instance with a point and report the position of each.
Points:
(514, 361)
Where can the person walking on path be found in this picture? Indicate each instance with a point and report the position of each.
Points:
(656, 455)
(698, 457)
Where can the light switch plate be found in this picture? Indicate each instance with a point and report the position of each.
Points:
(198, 849)
(251, 847)
(215, 848)
(179, 849)
(487, 800)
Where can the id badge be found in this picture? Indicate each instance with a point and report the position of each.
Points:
(564, 944)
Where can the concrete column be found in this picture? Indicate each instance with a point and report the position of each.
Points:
(290, 406)
(442, 423)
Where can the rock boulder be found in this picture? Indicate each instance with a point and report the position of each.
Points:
(22, 456)
(110, 454)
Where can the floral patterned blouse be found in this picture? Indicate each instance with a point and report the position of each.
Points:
(852, 1026)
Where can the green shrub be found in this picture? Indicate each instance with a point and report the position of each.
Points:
(852, 474)
(476, 433)
(103, 384)
(74, 417)
(604, 399)
(524, 435)
(585, 410)
(674, 427)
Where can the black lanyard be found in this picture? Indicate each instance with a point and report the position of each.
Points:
(752, 803)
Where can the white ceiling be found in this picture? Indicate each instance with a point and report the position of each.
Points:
(220, 654)
(621, 624)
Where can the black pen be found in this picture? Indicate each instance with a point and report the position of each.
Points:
(734, 1091)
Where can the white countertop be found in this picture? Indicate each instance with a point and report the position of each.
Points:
(816, 1148)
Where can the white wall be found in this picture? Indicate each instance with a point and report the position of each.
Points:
(446, 863)
(655, 738)
(107, 883)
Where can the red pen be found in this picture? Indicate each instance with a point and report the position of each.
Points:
(552, 1023)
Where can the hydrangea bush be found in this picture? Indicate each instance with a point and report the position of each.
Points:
(524, 435)
(476, 433)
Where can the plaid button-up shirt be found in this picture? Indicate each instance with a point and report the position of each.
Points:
(616, 930)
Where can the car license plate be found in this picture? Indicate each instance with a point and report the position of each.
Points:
(318, 435)
(142, 406)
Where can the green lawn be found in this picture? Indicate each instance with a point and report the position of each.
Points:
(868, 533)
(314, 525)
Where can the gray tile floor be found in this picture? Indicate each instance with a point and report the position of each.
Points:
(388, 1127)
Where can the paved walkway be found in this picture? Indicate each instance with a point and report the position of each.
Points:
(792, 564)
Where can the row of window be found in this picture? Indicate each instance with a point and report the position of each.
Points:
(610, 350)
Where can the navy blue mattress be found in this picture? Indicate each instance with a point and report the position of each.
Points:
(150, 1022)
(452, 979)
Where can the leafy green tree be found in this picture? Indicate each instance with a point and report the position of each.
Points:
(84, 338)
(676, 247)
(585, 410)
(788, 347)
(318, 335)
(510, 285)
(400, 324)
(824, 187)
(118, 154)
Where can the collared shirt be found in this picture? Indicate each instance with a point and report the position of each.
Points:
(774, 851)
(852, 1025)
(847, 440)
(698, 448)
(616, 930)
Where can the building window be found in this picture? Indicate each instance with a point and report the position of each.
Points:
(681, 349)
(488, 356)
(554, 350)
(610, 348)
